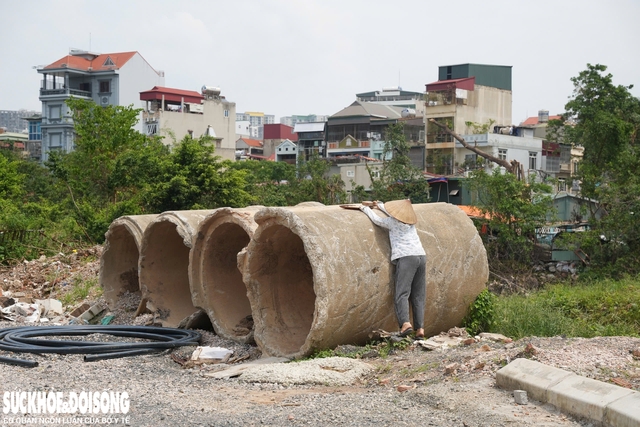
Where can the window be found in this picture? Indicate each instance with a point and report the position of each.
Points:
(351, 174)
(55, 140)
(562, 185)
(226, 113)
(533, 157)
(286, 149)
(85, 87)
(54, 112)
(105, 86)
(575, 167)
(108, 62)
(502, 154)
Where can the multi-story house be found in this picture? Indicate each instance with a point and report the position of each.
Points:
(34, 144)
(107, 79)
(360, 129)
(274, 135)
(466, 93)
(176, 113)
(311, 139)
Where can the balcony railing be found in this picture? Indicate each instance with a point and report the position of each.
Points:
(65, 91)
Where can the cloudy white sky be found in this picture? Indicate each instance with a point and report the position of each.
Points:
(286, 57)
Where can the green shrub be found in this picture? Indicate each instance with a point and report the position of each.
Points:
(480, 317)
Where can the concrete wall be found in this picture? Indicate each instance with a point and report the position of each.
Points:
(179, 123)
(353, 174)
(134, 77)
(518, 148)
(483, 103)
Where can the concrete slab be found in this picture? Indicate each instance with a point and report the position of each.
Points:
(532, 376)
(585, 397)
(624, 412)
(237, 370)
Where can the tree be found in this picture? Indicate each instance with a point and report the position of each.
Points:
(194, 178)
(315, 184)
(605, 119)
(398, 178)
(513, 208)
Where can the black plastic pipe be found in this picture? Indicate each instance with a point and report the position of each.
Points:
(26, 340)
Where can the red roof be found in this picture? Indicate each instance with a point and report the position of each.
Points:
(252, 142)
(534, 120)
(97, 63)
(467, 83)
(279, 131)
(171, 94)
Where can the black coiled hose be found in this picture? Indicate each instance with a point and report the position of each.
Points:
(24, 340)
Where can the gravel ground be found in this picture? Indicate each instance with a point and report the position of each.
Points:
(411, 387)
(451, 387)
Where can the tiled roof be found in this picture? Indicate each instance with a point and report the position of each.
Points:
(98, 63)
(534, 120)
(252, 142)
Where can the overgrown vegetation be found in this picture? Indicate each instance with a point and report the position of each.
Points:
(592, 308)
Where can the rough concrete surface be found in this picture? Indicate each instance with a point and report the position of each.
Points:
(330, 371)
(119, 259)
(215, 280)
(320, 276)
(164, 265)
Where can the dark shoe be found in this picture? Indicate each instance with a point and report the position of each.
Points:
(406, 332)
(419, 337)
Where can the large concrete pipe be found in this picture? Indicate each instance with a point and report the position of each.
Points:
(119, 260)
(318, 277)
(216, 283)
(164, 265)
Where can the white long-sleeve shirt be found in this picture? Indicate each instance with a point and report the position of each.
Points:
(403, 237)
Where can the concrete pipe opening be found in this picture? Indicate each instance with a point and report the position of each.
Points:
(216, 283)
(164, 266)
(119, 261)
(286, 298)
(318, 277)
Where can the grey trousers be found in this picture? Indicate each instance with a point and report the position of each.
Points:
(411, 276)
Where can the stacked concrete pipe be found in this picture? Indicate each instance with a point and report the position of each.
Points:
(164, 265)
(119, 260)
(216, 283)
(318, 277)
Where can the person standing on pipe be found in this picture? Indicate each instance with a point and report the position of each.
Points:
(409, 258)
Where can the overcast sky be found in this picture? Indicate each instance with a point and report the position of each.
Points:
(286, 57)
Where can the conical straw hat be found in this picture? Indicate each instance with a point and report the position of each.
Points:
(402, 210)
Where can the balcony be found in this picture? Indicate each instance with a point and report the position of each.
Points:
(65, 92)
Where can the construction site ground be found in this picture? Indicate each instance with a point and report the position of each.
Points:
(452, 386)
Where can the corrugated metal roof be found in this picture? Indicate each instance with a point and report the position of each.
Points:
(369, 109)
(467, 83)
(171, 94)
(309, 127)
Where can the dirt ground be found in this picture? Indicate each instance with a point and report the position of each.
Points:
(413, 386)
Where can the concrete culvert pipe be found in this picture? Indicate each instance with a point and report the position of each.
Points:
(318, 277)
(119, 260)
(216, 283)
(164, 265)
